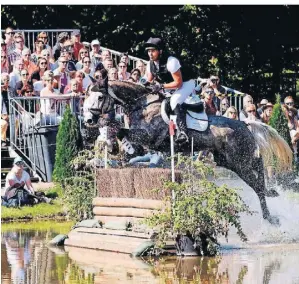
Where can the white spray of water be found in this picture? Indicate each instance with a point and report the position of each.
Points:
(258, 230)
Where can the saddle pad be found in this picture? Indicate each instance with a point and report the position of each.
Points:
(197, 121)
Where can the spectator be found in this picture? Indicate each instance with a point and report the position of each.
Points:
(108, 63)
(48, 107)
(135, 76)
(47, 55)
(24, 81)
(6, 91)
(251, 113)
(112, 74)
(141, 66)
(247, 100)
(261, 105)
(123, 75)
(3, 46)
(87, 72)
(30, 66)
(61, 39)
(15, 75)
(61, 75)
(82, 53)
(67, 53)
(9, 40)
(124, 57)
(209, 104)
(4, 123)
(18, 177)
(220, 92)
(76, 38)
(224, 105)
(95, 53)
(30, 107)
(231, 113)
(102, 77)
(39, 72)
(106, 55)
(39, 46)
(267, 112)
(4, 63)
(43, 36)
(16, 54)
(75, 92)
(78, 76)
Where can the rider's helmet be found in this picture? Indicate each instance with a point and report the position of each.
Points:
(154, 43)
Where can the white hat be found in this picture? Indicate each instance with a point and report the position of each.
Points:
(263, 102)
(95, 42)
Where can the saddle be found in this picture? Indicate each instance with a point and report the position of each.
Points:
(196, 118)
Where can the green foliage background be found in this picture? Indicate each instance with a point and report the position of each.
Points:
(68, 144)
(256, 47)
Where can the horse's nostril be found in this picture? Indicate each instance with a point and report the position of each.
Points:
(89, 120)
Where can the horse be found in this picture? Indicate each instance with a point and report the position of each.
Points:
(235, 145)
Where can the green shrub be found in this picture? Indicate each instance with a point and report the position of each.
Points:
(200, 208)
(68, 144)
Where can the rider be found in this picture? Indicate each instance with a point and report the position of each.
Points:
(166, 72)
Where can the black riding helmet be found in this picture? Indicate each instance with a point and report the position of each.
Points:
(154, 43)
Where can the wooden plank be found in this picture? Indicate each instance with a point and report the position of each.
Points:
(106, 219)
(128, 202)
(112, 232)
(101, 242)
(122, 211)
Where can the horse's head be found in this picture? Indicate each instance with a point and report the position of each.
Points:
(98, 104)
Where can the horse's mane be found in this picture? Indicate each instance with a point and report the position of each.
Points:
(127, 90)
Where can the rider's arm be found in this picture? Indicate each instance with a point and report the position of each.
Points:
(149, 76)
(177, 81)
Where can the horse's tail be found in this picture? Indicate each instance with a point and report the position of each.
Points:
(274, 150)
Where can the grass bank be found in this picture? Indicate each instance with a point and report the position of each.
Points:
(39, 211)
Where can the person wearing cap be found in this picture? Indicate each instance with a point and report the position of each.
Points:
(61, 39)
(9, 40)
(76, 37)
(18, 177)
(267, 112)
(166, 71)
(95, 53)
(16, 54)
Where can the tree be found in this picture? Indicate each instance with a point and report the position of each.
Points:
(68, 144)
(279, 121)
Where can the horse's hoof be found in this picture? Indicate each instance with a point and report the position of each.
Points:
(271, 193)
(273, 220)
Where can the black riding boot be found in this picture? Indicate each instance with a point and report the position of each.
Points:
(181, 136)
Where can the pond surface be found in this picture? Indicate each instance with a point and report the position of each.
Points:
(26, 258)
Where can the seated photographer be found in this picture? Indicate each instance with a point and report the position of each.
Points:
(18, 177)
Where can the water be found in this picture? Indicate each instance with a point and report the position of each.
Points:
(26, 258)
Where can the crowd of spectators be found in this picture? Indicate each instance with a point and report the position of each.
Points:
(66, 69)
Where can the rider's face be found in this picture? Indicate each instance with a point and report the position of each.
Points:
(153, 54)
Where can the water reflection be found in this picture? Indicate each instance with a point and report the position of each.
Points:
(25, 258)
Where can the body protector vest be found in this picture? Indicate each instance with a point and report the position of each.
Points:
(161, 75)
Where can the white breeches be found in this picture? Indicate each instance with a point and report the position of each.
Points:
(180, 95)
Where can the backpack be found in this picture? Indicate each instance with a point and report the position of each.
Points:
(16, 197)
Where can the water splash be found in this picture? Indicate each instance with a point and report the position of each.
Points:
(258, 230)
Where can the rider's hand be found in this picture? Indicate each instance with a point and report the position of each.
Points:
(157, 87)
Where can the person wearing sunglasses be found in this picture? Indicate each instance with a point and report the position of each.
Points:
(231, 113)
(25, 81)
(86, 69)
(16, 54)
(61, 74)
(28, 64)
(9, 40)
(83, 52)
(135, 76)
(123, 75)
(4, 63)
(40, 70)
(208, 95)
(47, 55)
(18, 177)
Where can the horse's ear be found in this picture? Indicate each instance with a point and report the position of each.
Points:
(93, 80)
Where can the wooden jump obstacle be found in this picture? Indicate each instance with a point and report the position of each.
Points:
(124, 196)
